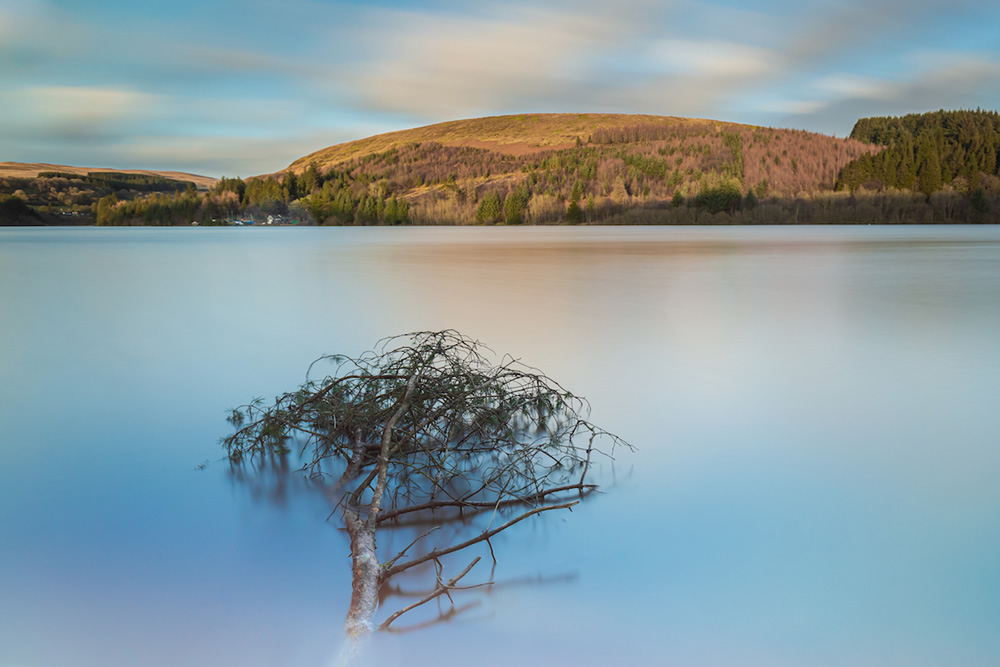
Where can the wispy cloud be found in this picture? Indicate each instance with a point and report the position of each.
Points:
(936, 80)
(504, 57)
(107, 80)
(711, 58)
(72, 114)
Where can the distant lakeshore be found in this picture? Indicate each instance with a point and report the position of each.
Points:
(543, 169)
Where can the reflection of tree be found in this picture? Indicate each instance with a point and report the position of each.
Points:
(444, 589)
(420, 436)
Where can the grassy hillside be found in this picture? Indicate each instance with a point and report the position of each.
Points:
(605, 164)
(513, 135)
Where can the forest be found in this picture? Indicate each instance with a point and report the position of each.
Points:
(919, 168)
(64, 198)
(928, 153)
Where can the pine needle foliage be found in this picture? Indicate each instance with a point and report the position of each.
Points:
(431, 412)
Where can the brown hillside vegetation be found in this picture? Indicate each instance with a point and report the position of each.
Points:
(512, 135)
(548, 168)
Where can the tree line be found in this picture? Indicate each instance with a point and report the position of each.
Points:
(124, 180)
(955, 150)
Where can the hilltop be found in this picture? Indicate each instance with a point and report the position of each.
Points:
(511, 135)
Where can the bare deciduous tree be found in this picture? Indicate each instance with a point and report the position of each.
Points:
(421, 430)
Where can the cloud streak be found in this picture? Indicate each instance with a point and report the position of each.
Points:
(508, 56)
(108, 82)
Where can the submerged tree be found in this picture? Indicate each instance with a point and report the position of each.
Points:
(417, 432)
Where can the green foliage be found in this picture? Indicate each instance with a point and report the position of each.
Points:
(925, 151)
(155, 209)
(734, 168)
(514, 205)
(311, 179)
(490, 208)
(60, 174)
(235, 185)
(929, 169)
(719, 197)
(266, 194)
(103, 209)
(978, 202)
(78, 194)
(573, 213)
(762, 189)
(141, 182)
(14, 211)
(397, 211)
(647, 165)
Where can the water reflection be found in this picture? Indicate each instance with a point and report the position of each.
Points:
(815, 411)
(280, 483)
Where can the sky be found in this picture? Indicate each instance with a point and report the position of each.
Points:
(241, 88)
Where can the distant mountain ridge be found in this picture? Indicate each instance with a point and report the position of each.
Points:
(32, 169)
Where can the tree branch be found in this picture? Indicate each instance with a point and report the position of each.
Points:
(396, 569)
(442, 589)
(383, 457)
(460, 503)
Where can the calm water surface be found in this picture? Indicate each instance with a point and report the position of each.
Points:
(816, 412)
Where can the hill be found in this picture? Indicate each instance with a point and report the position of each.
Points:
(60, 195)
(33, 169)
(589, 167)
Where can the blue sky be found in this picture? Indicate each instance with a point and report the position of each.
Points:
(244, 88)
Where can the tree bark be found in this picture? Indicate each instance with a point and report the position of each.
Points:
(366, 571)
(365, 577)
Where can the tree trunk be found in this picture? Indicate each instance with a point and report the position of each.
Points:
(366, 571)
(365, 579)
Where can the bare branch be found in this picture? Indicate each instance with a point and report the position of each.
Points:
(437, 553)
(433, 505)
(402, 553)
(442, 589)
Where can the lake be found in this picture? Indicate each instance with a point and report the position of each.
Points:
(815, 411)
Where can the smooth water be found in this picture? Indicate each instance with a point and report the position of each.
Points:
(816, 411)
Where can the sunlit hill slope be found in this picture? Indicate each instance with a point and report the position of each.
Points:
(606, 164)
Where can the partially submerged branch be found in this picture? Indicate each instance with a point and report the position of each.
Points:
(483, 537)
